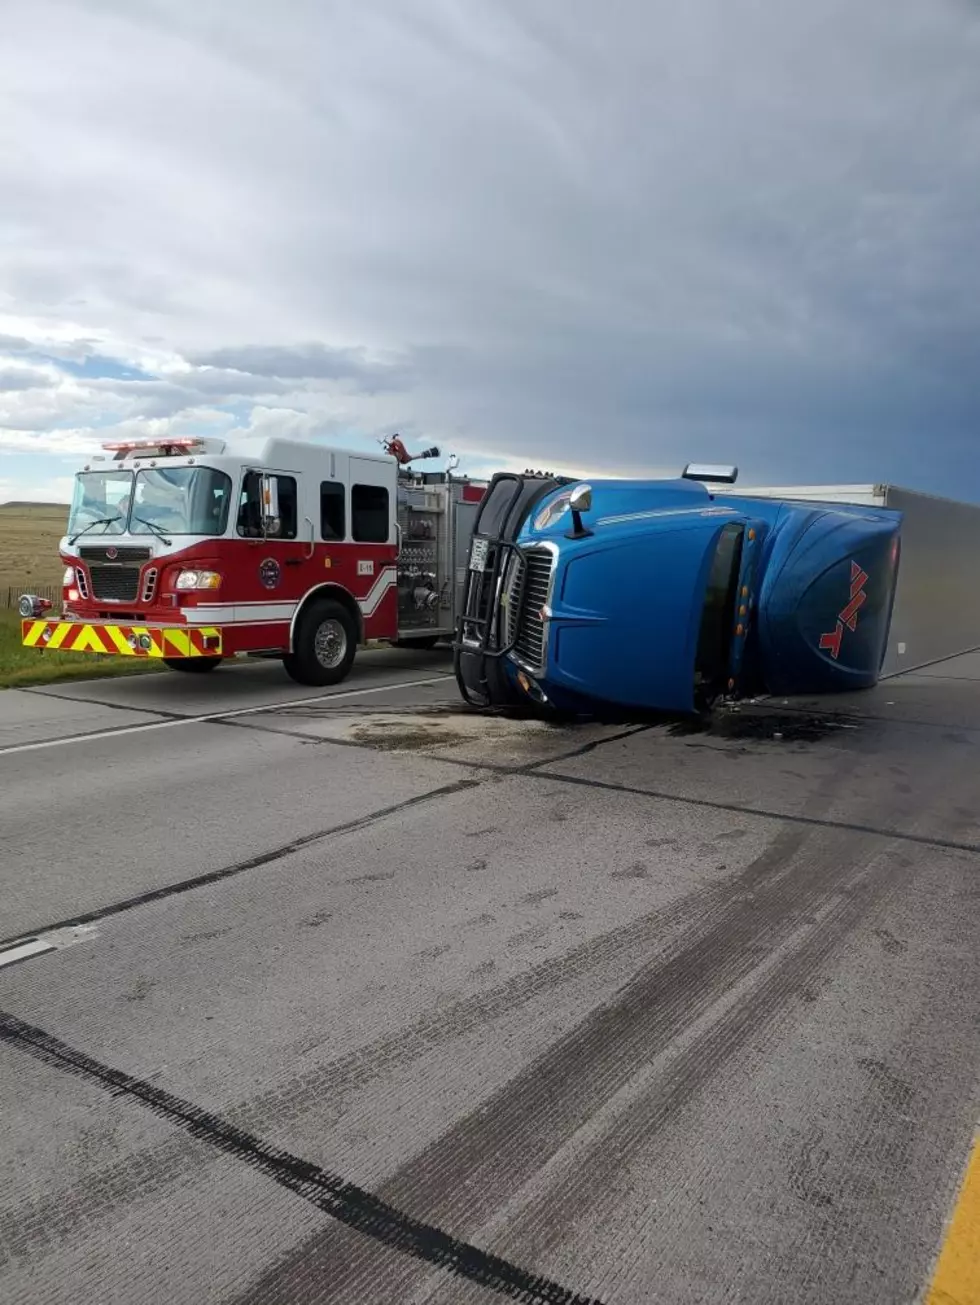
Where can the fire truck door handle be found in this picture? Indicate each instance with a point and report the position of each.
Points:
(312, 539)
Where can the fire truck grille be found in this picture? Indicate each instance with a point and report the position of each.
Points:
(531, 585)
(115, 583)
(107, 553)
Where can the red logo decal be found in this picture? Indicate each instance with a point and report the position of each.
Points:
(848, 616)
(112, 553)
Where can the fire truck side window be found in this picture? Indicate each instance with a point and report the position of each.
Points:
(369, 514)
(250, 507)
(332, 523)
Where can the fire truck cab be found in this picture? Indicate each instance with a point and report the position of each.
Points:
(197, 550)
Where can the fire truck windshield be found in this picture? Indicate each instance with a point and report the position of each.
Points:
(101, 501)
(181, 501)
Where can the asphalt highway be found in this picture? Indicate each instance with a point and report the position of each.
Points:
(355, 997)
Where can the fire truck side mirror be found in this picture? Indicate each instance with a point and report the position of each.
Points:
(269, 496)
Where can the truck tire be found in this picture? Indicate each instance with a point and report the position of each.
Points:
(193, 665)
(323, 646)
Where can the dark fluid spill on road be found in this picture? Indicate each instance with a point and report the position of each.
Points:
(786, 727)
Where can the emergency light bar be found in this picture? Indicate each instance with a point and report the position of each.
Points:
(183, 443)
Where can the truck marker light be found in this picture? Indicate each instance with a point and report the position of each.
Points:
(751, 534)
(745, 591)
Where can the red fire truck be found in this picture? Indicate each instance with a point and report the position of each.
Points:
(194, 551)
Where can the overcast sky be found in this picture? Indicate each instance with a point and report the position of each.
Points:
(590, 234)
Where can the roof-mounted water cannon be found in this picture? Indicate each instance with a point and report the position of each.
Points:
(710, 472)
(394, 447)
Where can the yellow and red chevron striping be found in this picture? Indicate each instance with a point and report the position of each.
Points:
(122, 640)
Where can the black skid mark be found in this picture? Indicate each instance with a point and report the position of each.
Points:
(341, 1200)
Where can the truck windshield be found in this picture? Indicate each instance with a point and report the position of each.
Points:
(101, 502)
(181, 501)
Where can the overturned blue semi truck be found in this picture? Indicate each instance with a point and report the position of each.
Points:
(669, 595)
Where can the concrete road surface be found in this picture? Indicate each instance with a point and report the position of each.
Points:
(353, 997)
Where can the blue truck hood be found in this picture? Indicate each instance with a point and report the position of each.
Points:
(622, 624)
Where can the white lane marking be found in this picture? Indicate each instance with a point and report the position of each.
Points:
(21, 951)
(53, 941)
(15, 748)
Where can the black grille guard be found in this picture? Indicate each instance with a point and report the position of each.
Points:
(478, 648)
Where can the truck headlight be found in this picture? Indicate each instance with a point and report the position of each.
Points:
(187, 580)
(69, 577)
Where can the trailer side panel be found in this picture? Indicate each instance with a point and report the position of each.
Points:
(937, 607)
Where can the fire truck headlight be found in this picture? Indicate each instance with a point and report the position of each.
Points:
(187, 580)
(69, 577)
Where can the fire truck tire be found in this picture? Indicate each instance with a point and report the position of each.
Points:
(192, 665)
(323, 646)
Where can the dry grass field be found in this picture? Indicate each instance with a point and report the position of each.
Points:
(29, 535)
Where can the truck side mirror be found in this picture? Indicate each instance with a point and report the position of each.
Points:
(269, 498)
(579, 501)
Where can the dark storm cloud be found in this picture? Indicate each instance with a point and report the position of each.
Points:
(306, 362)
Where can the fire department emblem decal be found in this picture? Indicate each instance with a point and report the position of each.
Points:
(112, 553)
(269, 573)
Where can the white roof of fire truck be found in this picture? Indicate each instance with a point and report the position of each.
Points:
(258, 450)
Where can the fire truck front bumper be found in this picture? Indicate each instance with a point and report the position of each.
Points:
(74, 635)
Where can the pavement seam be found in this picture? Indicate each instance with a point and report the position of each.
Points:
(240, 867)
(854, 827)
(334, 1196)
(296, 845)
(207, 718)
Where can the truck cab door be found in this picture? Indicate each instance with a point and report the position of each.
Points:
(269, 517)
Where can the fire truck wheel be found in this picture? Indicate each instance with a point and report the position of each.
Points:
(192, 665)
(323, 646)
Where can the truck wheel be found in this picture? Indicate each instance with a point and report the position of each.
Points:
(324, 645)
(192, 665)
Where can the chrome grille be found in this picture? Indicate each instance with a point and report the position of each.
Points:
(115, 583)
(114, 553)
(531, 588)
